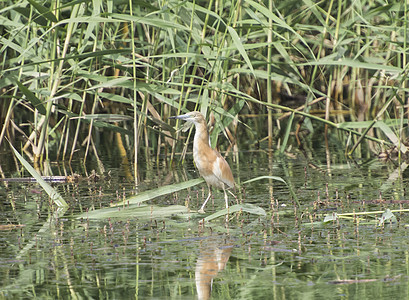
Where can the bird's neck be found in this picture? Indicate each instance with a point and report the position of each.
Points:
(201, 136)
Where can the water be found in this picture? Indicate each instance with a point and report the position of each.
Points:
(287, 254)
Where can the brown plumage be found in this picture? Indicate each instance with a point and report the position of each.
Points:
(211, 165)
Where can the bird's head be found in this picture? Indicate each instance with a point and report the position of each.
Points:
(194, 117)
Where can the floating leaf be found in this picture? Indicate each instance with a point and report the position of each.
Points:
(330, 218)
(139, 212)
(387, 216)
(163, 190)
(250, 208)
(265, 177)
(314, 224)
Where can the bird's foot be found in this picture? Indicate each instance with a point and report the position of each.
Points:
(201, 211)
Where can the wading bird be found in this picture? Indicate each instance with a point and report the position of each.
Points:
(211, 165)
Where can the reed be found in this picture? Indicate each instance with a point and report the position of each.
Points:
(70, 71)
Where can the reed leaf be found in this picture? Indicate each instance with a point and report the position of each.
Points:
(238, 44)
(329, 61)
(140, 212)
(178, 56)
(45, 12)
(392, 136)
(37, 103)
(161, 191)
(52, 193)
(364, 124)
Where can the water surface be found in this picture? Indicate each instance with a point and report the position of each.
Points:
(287, 254)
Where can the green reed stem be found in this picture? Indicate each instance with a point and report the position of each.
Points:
(135, 97)
(269, 83)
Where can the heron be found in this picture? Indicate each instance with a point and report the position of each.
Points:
(211, 164)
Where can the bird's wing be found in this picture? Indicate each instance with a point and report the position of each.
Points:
(223, 171)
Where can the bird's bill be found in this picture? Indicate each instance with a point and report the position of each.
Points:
(181, 117)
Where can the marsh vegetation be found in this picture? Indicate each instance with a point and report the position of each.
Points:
(302, 98)
(77, 75)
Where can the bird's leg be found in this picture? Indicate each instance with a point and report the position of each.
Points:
(201, 210)
(234, 196)
(226, 198)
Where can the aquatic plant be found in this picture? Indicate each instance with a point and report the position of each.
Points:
(76, 75)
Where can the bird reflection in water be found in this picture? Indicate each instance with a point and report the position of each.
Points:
(214, 254)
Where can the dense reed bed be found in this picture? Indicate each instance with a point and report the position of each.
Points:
(80, 75)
